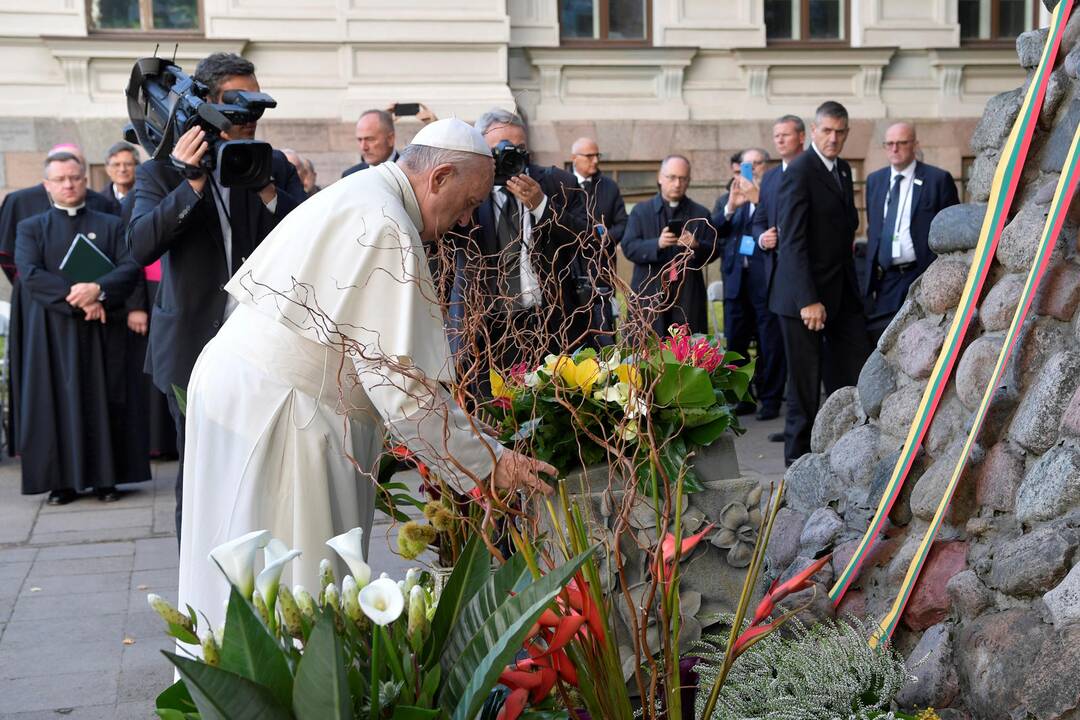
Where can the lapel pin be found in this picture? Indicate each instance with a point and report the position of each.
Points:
(917, 181)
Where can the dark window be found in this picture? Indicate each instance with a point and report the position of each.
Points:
(617, 21)
(172, 15)
(806, 20)
(996, 19)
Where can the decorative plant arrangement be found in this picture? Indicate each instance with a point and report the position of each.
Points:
(362, 649)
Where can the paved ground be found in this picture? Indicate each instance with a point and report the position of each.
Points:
(77, 639)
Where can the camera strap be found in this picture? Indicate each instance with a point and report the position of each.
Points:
(136, 113)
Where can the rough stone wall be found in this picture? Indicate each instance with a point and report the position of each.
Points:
(995, 617)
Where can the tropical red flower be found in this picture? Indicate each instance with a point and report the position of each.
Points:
(667, 549)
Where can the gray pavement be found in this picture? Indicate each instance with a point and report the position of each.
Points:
(77, 639)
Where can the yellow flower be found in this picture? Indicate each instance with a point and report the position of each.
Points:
(499, 388)
(586, 374)
(928, 714)
(629, 374)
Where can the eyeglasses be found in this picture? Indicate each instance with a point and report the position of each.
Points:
(891, 144)
(121, 164)
(591, 156)
(73, 179)
(677, 178)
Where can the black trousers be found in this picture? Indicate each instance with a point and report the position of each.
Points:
(836, 353)
(178, 418)
(748, 316)
(888, 296)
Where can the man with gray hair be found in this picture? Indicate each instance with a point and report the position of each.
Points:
(375, 137)
(335, 342)
(516, 295)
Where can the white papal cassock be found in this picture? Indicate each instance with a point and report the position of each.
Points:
(310, 369)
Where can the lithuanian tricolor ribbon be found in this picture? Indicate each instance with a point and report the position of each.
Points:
(1006, 181)
(1059, 208)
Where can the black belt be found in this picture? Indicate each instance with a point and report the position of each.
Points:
(901, 268)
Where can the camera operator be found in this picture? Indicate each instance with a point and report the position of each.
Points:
(519, 266)
(203, 232)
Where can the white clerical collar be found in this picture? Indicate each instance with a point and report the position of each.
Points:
(71, 211)
(408, 198)
(828, 163)
(783, 166)
(673, 203)
(908, 172)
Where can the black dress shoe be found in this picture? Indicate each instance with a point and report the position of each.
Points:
(107, 494)
(776, 437)
(768, 413)
(61, 497)
(745, 407)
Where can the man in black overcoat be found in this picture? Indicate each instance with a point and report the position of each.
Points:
(814, 288)
(901, 201)
(202, 232)
(518, 290)
(668, 282)
(72, 417)
(607, 221)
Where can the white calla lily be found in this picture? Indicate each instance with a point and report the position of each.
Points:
(277, 555)
(236, 559)
(350, 547)
(382, 601)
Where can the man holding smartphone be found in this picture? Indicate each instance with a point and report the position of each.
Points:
(670, 240)
(747, 269)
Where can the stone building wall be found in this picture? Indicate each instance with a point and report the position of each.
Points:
(992, 629)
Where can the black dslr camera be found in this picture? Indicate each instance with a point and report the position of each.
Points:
(510, 160)
(164, 103)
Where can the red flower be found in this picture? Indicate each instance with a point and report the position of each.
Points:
(503, 403)
(667, 548)
(776, 593)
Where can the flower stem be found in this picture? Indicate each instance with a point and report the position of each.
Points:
(375, 672)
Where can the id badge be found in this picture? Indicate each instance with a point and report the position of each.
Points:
(746, 246)
(895, 248)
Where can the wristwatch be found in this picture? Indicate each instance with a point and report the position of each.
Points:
(101, 295)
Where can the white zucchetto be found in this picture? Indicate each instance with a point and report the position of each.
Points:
(452, 134)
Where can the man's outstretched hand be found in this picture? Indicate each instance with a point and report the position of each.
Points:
(515, 471)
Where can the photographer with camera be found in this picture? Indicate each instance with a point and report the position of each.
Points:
(519, 266)
(187, 214)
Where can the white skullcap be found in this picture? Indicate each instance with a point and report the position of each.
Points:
(452, 134)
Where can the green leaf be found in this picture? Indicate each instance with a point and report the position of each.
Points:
(707, 434)
(472, 569)
(175, 697)
(495, 643)
(684, 386)
(181, 398)
(483, 605)
(249, 650)
(321, 690)
(223, 695)
(169, 714)
(408, 712)
(182, 634)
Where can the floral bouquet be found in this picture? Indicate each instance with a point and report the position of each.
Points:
(582, 409)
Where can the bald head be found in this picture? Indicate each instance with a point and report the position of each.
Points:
(375, 136)
(674, 178)
(585, 154)
(900, 144)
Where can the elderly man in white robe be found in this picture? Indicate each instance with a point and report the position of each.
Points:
(335, 341)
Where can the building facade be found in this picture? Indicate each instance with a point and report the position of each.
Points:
(646, 77)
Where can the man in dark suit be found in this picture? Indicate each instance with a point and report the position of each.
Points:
(375, 136)
(814, 288)
(516, 283)
(670, 239)
(607, 219)
(121, 159)
(901, 201)
(746, 269)
(202, 232)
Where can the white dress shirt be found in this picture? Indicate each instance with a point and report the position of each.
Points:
(221, 202)
(829, 162)
(903, 216)
(530, 286)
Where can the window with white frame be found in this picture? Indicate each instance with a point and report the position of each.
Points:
(995, 19)
(806, 20)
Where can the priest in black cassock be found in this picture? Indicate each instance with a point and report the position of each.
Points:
(19, 206)
(670, 240)
(71, 417)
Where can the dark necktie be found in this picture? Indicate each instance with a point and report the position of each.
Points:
(888, 235)
(836, 176)
(508, 231)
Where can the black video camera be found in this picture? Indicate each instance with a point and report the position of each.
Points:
(164, 103)
(510, 161)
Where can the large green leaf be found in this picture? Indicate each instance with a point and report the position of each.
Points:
(248, 649)
(175, 697)
(707, 434)
(684, 386)
(402, 712)
(321, 690)
(223, 695)
(483, 605)
(495, 643)
(472, 569)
